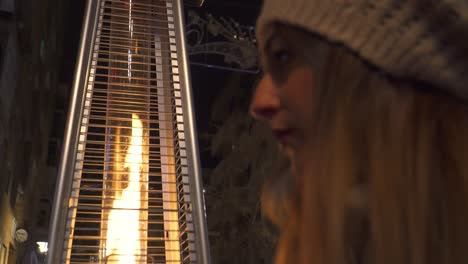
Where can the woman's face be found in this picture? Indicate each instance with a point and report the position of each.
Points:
(284, 97)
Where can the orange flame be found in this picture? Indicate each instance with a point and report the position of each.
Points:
(123, 240)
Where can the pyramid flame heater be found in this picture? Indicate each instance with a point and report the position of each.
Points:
(129, 184)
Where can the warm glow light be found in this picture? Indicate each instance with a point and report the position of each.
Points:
(42, 246)
(123, 230)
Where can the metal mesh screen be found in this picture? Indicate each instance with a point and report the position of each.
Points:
(131, 200)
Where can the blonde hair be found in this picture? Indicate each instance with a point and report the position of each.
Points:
(384, 178)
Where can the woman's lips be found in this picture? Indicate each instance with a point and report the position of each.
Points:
(284, 136)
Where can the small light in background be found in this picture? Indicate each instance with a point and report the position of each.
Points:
(42, 247)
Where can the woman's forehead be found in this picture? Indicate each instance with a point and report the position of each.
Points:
(281, 30)
(311, 46)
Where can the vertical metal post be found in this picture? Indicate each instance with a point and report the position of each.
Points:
(202, 242)
(67, 162)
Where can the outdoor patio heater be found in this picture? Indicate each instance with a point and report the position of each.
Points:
(129, 187)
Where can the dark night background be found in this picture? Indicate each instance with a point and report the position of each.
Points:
(38, 45)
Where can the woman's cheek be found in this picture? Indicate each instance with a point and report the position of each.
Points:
(299, 93)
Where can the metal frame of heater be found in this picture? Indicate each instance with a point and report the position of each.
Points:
(72, 133)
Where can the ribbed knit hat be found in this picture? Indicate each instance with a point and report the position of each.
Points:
(423, 40)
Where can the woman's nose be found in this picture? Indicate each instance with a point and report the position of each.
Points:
(265, 102)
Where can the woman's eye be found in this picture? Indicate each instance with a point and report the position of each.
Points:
(282, 55)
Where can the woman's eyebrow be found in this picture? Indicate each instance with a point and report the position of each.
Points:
(264, 49)
(270, 36)
(268, 42)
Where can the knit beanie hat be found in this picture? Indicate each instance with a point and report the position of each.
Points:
(421, 40)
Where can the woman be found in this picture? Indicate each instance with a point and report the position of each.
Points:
(369, 101)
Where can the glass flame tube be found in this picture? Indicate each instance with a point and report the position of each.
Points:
(125, 190)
